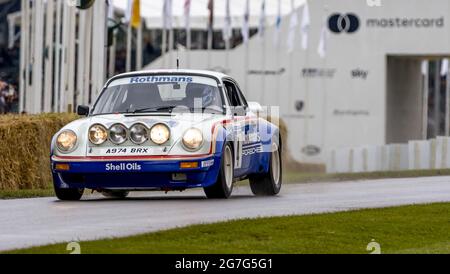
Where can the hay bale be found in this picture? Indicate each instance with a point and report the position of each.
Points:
(284, 133)
(25, 149)
(289, 164)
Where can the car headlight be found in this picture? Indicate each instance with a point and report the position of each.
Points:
(118, 134)
(192, 138)
(98, 134)
(66, 140)
(159, 134)
(138, 133)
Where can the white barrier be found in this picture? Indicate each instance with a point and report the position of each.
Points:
(342, 160)
(371, 158)
(382, 158)
(420, 154)
(442, 156)
(359, 163)
(398, 157)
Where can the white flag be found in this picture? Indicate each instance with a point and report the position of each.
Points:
(262, 19)
(110, 9)
(167, 14)
(245, 26)
(444, 67)
(292, 29)
(187, 14)
(305, 26)
(276, 36)
(128, 11)
(424, 67)
(227, 31)
(323, 43)
(11, 35)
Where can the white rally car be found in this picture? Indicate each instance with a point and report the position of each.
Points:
(167, 130)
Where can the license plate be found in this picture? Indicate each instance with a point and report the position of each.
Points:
(121, 151)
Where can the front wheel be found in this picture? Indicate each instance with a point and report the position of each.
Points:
(69, 194)
(223, 187)
(269, 184)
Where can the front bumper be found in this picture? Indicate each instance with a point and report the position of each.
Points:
(130, 174)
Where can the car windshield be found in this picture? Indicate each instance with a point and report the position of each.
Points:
(160, 93)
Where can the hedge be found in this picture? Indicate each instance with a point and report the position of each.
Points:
(25, 149)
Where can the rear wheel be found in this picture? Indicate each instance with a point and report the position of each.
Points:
(69, 194)
(117, 194)
(269, 184)
(223, 187)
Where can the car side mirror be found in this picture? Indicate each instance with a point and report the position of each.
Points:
(254, 107)
(239, 111)
(83, 110)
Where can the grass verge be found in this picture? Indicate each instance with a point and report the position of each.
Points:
(324, 177)
(26, 193)
(406, 229)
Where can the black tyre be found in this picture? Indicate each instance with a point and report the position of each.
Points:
(69, 194)
(117, 194)
(269, 184)
(223, 187)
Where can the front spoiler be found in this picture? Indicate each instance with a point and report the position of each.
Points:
(137, 174)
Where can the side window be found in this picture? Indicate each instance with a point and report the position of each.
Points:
(241, 95)
(232, 93)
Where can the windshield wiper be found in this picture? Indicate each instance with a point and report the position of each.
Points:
(206, 110)
(154, 109)
(170, 108)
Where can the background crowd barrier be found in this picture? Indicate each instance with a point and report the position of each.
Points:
(415, 155)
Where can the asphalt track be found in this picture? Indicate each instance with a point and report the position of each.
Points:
(40, 221)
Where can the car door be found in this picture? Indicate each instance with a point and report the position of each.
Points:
(242, 129)
(252, 147)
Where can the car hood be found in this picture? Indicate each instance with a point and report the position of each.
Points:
(173, 120)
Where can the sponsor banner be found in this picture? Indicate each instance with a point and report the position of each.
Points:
(152, 79)
(350, 22)
(405, 22)
(267, 72)
(338, 112)
(339, 23)
(359, 74)
(318, 72)
(311, 150)
(207, 163)
(299, 116)
(122, 167)
(252, 149)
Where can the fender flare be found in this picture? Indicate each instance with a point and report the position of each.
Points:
(222, 137)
